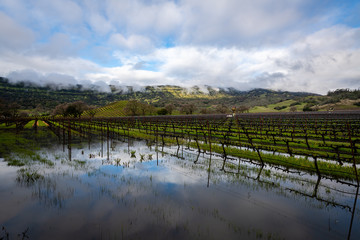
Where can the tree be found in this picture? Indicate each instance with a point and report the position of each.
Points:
(136, 108)
(8, 110)
(77, 108)
(309, 107)
(170, 108)
(132, 108)
(60, 109)
(242, 109)
(188, 108)
(145, 108)
(74, 109)
(71, 110)
(151, 110)
(221, 109)
(204, 111)
(162, 111)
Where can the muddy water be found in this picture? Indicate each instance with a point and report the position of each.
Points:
(129, 189)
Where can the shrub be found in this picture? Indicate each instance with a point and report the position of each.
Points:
(162, 111)
(280, 107)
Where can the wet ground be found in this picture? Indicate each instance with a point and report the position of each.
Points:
(131, 189)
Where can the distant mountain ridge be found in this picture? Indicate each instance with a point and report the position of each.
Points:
(30, 96)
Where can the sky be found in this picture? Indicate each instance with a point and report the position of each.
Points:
(291, 45)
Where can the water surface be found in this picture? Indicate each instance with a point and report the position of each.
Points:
(123, 188)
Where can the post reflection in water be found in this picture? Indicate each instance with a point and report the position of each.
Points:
(69, 142)
(209, 171)
(189, 195)
(353, 211)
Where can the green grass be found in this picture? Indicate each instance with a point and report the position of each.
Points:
(41, 124)
(28, 176)
(271, 107)
(26, 158)
(259, 109)
(30, 124)
(10, 142)
(20, 149)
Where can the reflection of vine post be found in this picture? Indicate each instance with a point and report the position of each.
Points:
(209, 138)
(258, 176)
(209, 170)
(69, 139)
(89, 133)
(128, 134)
(239, 134)
(224, 155)
(353, 211)
(63, 128)
(102, 139)
(197, 158)
(316, 186)
(156, 148)
(353, 154)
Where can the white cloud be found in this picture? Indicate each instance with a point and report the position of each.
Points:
(290, 45)
(329, 39)
(59, 45)
(14, 36)
(55, 80)
(329, 56)
(233, 22)
(99, 24)
(295, 68)
(128, 76)
(64, 11)
(136, 43)
(168, 18)
(75, 67)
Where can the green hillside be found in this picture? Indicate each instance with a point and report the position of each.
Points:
(115, 109)
(35, 100)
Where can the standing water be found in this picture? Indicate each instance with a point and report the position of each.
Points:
(67, 187)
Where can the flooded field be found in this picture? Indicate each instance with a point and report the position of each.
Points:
(121, 188)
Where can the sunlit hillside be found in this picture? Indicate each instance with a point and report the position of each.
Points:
(115, 109)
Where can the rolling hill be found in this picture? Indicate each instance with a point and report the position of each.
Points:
(205, 98)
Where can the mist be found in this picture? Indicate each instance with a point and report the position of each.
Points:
(58, 81)
(55, 81)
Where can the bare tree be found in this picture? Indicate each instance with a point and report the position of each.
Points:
(222, 109)
(8, 110)
(132, 108)
(169, 108)
(74, 109)
(188, 108)
(242, 109)
(60, 109)
(293, 109)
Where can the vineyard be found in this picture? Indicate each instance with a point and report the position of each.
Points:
(112, 110)
(320, 143)
(306, 161)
